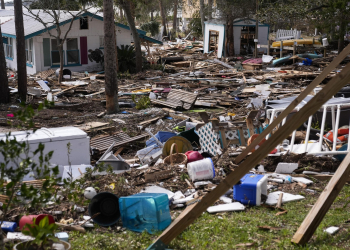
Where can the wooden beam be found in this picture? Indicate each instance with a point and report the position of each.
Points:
(295, 103)
(250, 126)
(324, 202)
(241, 136)
(189, 216)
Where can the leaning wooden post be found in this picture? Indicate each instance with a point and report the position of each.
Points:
(324, 202)
(324, 52)
(281, 49)
(268, 47)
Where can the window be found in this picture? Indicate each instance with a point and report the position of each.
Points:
(84, 24)
(29, 50)
(72, 51)
(55, 54)
(8, 47)
(102, 42)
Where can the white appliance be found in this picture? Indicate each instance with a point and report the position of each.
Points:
(56, 140)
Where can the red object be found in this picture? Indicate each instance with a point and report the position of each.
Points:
(83, 50)
(193, 156)
(282, 71)
(28, 219)
(342, 138)
(10, 115)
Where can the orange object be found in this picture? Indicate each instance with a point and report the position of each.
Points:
(252, 138)
(340, 139)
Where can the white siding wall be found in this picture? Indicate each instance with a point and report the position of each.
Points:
(93, 34)
(218, 28)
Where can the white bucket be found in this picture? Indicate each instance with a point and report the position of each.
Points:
(201, 170)
(325, 42)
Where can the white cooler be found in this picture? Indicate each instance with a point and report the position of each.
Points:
(56, 139)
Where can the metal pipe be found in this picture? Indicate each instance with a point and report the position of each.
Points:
(333, 118)
(292, 141)
(271, 120)
(335, 132)
(322, 126)
(308, 133)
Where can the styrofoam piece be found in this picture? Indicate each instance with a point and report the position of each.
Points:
(158, 190)
(303, 180)
(201, 183)
(272, 198)
(235, 206)
(331, 230)
(310, 172)
(286, 168)
(226, 199)
(43, 85)
(18, 236)
(62, 236)
(261, 169)
(184, 200)
(87, 224)
(178, 195)
(275, 180)
(85, 217)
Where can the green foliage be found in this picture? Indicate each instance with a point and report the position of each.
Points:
(43, 234)
(151, 27)
(195, 24)
(97, 56)
(142, 102)
(18, 162)
(126, 58)
(71, 5)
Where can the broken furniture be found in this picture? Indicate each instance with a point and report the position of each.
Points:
(178, 99)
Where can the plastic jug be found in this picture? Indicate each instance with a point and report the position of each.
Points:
(201, 170)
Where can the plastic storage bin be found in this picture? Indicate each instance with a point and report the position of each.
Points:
(145, 211)
(250, 189)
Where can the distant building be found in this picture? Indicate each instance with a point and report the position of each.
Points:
(243, 35)
(41, 49)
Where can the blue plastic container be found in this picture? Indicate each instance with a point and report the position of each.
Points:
(162, 136)
(250, 189)
(8, 226)
(145, 211)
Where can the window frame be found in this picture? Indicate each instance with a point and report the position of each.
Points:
(29, 51)
(78, 50)
(8, 48)
(81, 20)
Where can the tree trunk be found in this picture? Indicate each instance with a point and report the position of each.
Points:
(152, 17)
(4, 90)
(21, 52)
(210, 9)
(175, 15)
(132, 9)
(201, 11)
(60, 51)
(2, 4)
(162, 13)
(135, 35)
(4, 86)
(230, 38)
(110, 58)
(341, 36)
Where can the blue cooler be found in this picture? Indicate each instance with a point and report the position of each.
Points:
(145, 211)
(250, 189)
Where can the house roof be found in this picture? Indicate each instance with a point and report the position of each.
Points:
(33, 27)
(237, 22)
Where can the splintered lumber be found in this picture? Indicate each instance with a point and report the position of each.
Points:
(295, 103)
(71, 227)
(65, 90)
(189, 216)
(324, 202)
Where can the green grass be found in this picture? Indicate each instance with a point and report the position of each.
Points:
(211, 232)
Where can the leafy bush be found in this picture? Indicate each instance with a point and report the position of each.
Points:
(151, 27)
(142, 102)
(195, 25)
(97, 56)
(126, 58)
(43, 234)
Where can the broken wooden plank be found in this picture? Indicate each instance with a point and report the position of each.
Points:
(324, 202)
(190, 215)
(65, 90)
(161, 175)
(144, 123)
(295, 103)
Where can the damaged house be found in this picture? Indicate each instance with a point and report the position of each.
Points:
(41, 49)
